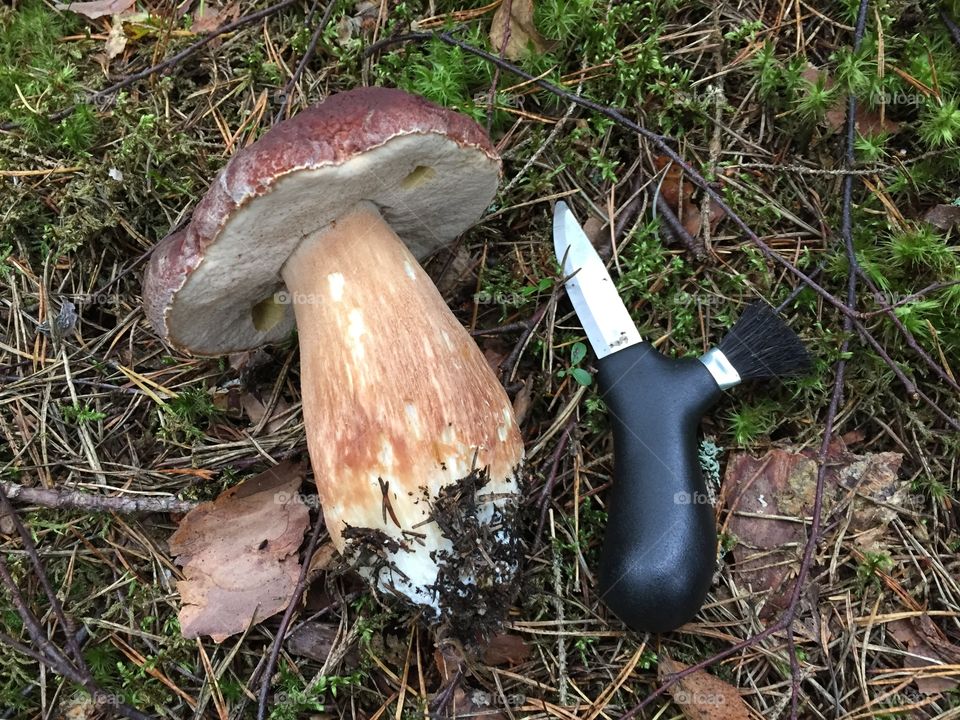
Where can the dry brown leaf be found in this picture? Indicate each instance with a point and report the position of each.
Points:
(505, 649)
(765, 493)
(678, 193)
(702, 696)
(869, 122)
(312, 640)
(495, 353)
(97, 8)
(208, 18)
(324, 559)
(239, 554)
(927, 646)
(943, 217)
(463, 702)
(255, 410)
(513, 24)
(595, 230)
(116, 39)
(523, 401)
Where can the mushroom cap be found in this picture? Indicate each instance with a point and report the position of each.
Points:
(430, 171)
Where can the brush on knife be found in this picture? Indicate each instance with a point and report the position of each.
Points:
(659, 550)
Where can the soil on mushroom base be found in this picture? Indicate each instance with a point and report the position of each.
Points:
(488, 551)
(478, 577)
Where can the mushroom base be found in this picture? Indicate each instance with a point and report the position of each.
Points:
(476, 573)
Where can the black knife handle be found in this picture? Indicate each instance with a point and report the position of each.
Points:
(659, 550)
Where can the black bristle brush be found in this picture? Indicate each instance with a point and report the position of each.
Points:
(660, 547)
(762, 345)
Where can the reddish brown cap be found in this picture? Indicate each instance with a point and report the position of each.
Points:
(430, 171)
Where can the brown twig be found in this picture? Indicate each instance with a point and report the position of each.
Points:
(951, 26)
(75, 500)
(676, 228)
(492, 94)
(510, 364)
(552, 476)
(55, 604)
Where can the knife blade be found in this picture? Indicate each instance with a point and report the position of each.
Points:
(605, 319)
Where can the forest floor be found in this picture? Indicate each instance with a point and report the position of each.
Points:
(836, 593)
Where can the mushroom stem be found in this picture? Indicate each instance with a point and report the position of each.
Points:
(403, 415)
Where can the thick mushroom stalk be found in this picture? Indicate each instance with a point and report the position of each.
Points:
(412, 439)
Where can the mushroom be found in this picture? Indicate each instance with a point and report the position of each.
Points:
(320, 224)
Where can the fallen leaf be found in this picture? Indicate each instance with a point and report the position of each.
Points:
(97, 8)
(496, 354)
(255, 410)
(869, 122)
(312, 640)
(593, 228)
(853, 437)
(523, 401)
(674, 187)
(506, 649)
(454, 699)
(701, 696)
(943, 217)
(239, 554)
(116, 39)
(324, 559)
(513, 32)
(927, 645)
(208, 18)
(678, 193)
(765, 494)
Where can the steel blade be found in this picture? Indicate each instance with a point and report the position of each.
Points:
(604, 317)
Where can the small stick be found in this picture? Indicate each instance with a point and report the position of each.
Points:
(61, 498)
(677, 229)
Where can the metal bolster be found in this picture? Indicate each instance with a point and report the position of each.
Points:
(721, 368)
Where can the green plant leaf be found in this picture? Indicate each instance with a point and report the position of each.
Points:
(581, 376)
(577, 353)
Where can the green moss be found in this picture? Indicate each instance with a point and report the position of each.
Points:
(38, 75)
